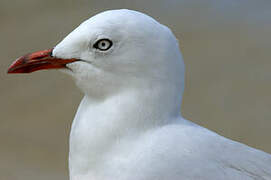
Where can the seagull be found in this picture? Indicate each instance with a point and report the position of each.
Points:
(129, 124)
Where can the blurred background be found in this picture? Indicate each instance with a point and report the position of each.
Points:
(227, 51)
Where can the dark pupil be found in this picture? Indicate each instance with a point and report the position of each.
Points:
(103, 43)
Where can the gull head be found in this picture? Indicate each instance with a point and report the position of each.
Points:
(113, 51)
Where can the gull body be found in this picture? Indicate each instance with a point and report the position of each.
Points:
(129, 125)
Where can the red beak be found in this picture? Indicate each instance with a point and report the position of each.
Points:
(38, 61)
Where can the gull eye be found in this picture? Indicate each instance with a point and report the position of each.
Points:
(103, 44)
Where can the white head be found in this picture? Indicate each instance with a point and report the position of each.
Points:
(135, 51)
(115, 51)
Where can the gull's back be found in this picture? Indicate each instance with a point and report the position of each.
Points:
(186, 151)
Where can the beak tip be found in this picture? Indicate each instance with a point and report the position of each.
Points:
(12, 67)
(11, 71)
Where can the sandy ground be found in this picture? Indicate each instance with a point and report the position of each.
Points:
(226, 46)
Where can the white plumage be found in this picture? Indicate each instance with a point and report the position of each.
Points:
(129, 125)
